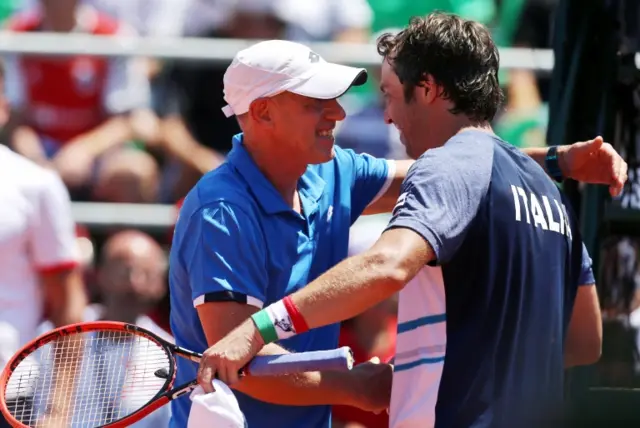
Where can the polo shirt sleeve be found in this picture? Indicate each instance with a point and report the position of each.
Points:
(53, 245)
(371, 177)
(225, 256)
(442, 193)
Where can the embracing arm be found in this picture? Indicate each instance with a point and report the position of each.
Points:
(592, 161)
(365, 280)
(539, 155)
(302, 389)
(229, 282)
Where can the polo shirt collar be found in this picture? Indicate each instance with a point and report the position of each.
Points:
(311, 185)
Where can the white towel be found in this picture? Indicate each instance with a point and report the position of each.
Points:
(220, 409)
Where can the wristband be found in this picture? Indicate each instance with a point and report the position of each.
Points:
(552, 164)
(275, 323)
(299, 324)
(265, 326)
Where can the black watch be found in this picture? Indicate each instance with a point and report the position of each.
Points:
(552, 164)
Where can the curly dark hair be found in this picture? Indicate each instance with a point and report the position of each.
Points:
(458, 54)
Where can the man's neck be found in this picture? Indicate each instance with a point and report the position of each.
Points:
(282, 170)
(455, 124)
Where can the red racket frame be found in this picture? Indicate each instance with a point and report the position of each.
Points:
(164, 396)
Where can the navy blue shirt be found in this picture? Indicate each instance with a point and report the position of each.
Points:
(511, 259)
(237, 240)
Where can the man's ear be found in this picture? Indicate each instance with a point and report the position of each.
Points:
(427, 90)
(260, 112)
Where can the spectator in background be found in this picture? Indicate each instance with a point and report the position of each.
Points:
(130, 282)
(131, 279)
(39, 273)
(73, 113)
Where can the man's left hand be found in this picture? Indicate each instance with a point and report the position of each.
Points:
(594, 162)
(229, 355)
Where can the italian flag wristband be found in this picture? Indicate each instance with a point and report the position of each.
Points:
(279, 320)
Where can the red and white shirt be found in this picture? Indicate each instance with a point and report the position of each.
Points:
(37, 235)
(64, 97)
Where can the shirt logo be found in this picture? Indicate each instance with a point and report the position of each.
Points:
(285, 325)
(527, 206)
(330, 213)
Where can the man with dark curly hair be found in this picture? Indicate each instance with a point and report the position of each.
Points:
(497, 294)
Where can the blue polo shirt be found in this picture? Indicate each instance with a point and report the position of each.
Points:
(237, 240)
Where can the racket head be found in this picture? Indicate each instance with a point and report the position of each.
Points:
(20, 380)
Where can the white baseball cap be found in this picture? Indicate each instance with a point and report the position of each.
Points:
(275, 66)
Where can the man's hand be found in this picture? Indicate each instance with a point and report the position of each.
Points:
(228, 356)
(374, 380)
(594, 162)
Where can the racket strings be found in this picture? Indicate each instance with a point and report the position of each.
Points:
(87, 379)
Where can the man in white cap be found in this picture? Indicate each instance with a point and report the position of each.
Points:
(273, 217)
(270, 219)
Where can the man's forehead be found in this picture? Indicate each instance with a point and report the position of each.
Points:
(387, 76)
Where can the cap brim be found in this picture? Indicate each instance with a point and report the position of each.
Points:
(330, 81)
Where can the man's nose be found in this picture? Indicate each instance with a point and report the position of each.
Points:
(334, 111)
(387, 118)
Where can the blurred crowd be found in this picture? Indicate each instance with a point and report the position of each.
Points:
(140, 130)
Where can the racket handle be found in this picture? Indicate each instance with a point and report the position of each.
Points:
(275, 365)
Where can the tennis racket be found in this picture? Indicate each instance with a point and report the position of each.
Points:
(112, 374)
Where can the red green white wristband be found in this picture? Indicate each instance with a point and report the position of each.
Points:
(280, 320)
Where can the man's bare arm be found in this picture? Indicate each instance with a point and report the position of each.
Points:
(303, 389)
(65, 296)
(23, 139)
(365, 280)
(178, 141)
(593, 162)
(539, 155)
(583, 343)
(112, 132)
(387, 201)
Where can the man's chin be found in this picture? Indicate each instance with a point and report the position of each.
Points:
(324, 157)
(413, 156)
